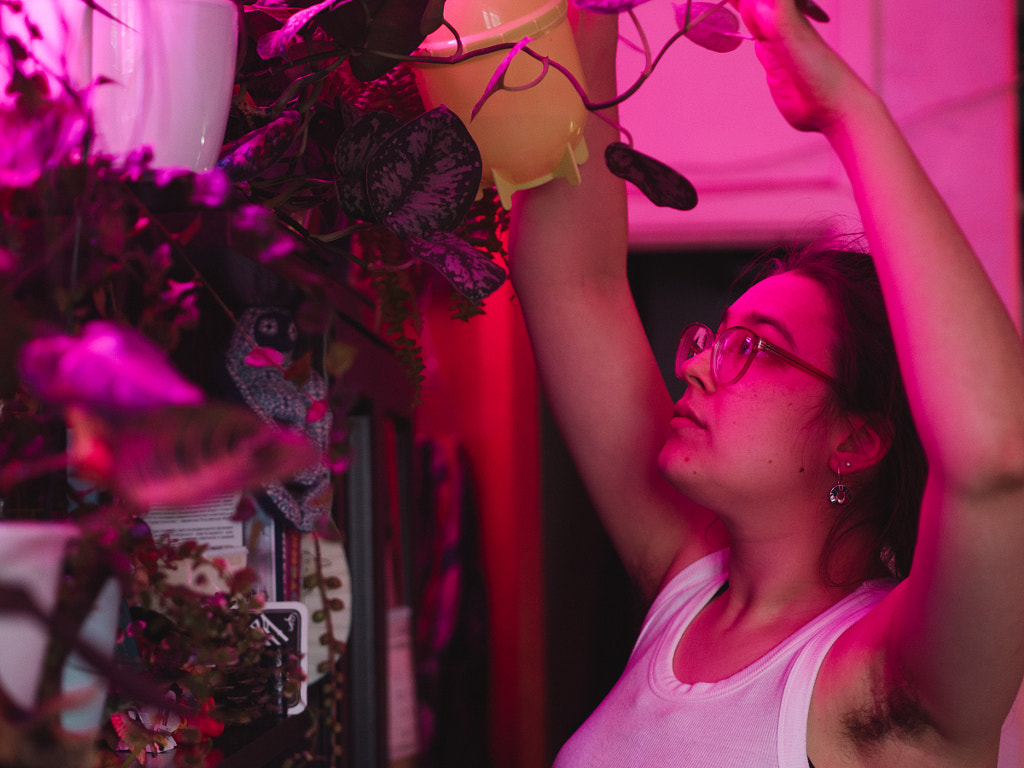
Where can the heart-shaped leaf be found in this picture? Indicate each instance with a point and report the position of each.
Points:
(361, 139)
(472, 272)
(425, 175)
(247, 157)
(710, 25)
(354, 149)
(662, 185)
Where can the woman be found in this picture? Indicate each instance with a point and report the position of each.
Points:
(787, 626)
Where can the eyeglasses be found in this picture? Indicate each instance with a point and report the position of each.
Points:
(732, 351)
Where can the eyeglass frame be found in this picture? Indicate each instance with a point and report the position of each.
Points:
(760, 343)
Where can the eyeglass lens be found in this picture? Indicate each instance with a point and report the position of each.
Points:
(730, 355)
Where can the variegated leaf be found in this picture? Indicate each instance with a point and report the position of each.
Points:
(662, 185)
(351, 154)
(472, 272)
(182, 455)
(425, 175)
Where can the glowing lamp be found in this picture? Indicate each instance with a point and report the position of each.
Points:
(526, 137)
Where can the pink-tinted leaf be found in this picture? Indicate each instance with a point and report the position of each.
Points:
(662, 185)
(264, 357)
(497, 81)
(183, 455)
(472, 272)
(317, 410)
(109, 368)
(812, 10)
(38, 132)
(425, 175)
(718, 31)
(607, 6)
(276, 43)
(250, 155)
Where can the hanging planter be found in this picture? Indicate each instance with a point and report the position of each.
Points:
(532, 131)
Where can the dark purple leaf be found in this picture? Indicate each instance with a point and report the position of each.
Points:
(662, 185)
(183, 455)
(248, 156)
(353, 151)
(358, 143)
(472, 272)
(348, 24)
(812, 10)
(607, 6)
(109, 368)
(17, 49)
(425, 175)
(718, 31)
(397, 27)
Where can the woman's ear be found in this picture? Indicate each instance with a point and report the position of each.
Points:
(863, 442)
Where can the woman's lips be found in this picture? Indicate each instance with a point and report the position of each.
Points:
(684, 412)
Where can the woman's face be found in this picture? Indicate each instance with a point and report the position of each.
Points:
(759, 439)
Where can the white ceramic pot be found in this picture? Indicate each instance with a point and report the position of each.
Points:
(171, 64)
(31, 557)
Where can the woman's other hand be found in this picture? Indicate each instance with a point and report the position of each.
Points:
(811, 85)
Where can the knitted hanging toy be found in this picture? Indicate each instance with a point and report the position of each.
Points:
(261, 352)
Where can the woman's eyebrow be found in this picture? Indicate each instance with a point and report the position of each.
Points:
(759, 318)
(755, 317)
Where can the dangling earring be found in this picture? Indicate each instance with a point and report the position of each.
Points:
(840, 494)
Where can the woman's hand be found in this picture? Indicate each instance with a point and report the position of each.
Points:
(812, 86)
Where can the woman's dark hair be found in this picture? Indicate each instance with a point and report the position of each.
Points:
(871, 386)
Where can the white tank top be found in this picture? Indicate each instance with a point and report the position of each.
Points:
(757, 718)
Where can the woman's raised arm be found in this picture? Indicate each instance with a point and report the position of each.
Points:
(952, 631)
(568, 265)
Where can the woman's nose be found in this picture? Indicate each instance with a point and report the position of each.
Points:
(696, 370)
